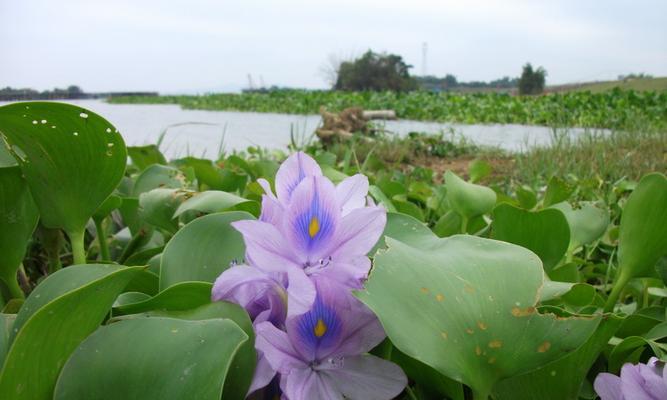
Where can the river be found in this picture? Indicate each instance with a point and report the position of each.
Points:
(201, 133)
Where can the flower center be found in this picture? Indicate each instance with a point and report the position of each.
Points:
(320, 328)
(313, 227)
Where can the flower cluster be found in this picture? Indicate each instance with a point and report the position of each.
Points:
(642, 381)
(304, 256)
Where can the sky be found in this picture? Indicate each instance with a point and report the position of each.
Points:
(198, 46)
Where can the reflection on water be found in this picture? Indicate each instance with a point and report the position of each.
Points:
(142, 124)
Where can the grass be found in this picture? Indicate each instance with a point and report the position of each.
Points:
(640, 85)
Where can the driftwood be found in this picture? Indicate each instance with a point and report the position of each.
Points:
(352, 120)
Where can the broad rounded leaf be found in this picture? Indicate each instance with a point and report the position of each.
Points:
(466, 307)
(159, 176)
(405, 228)
(544, 232)
(71, 157)
(202, 249)
(587, 223)
(62, 311)
(152, 358)
(157, 207)
(643, 232)
(468, 199)
(561, 379)
(211, 201)
(18, 218)
(181, 296)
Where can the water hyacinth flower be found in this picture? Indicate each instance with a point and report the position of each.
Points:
(320, 354)
(309, 227)
(637, 382)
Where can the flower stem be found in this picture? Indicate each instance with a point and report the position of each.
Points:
(78, 247)
(621, 280)
(102, 239)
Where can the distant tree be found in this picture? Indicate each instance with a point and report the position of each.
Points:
(375, 71)
(532, 81)
(74, 90)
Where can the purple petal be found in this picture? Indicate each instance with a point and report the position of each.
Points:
(351, 193)
(272, 211)
(633, 384)
(608, 387)
(276, 348)
(337, 325)
(312, 218)
(350, 273)
(267, 187)
(263, 373)
(653, 381)
(293, 170)
(306, 384)
(266, 247)
(254, 290)
(358, 232)
(367, 377)
(300, 292)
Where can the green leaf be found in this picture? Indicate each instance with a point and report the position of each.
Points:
(181, 296)
(643, 232)
(159, 176)
(557, 191)
(18, 218)
(144, 156)
(468, 199)
(449, 224)
(6, 324)
(381, 198)
(470, 303)
(60, 313)
(478, 170)
(211, 201)
(406, 229)
(241, 371)
(152, 358)
(71, 157)
(527, 197)
(206, 172)
(587, 223)
(202, 249)
(544, 232)
(409, 208)
(157, 207)
(561, 379)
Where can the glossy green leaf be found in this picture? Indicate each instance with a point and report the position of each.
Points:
(144, 156)
(45, 135)
(211, 201)
(202, 249)
(643, 232)
(62, 311)
(466, 307)
(527, 197)
(478, 169)
(468, 199)
(6, 324)
(206, 173)
(159, 176)
(544, 232)
(381, 198)
(406, 229)
(18, 218)
(157, 207)
(557, 191)
(241, 371)
(561, 379)
(152, 358)
(587, 223)
(181, 296)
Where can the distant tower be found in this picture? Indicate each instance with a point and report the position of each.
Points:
(251, 86)
(424, 51)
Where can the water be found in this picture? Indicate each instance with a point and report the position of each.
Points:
(142, 124)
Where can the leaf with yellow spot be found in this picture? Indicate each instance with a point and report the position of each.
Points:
(494, 330)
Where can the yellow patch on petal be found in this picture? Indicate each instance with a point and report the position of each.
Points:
(314, 227)
(320, 328)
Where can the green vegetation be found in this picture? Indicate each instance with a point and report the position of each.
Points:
(573, 284)
(376, 72)
(638, 84)
(616, 109)
(532, 81)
